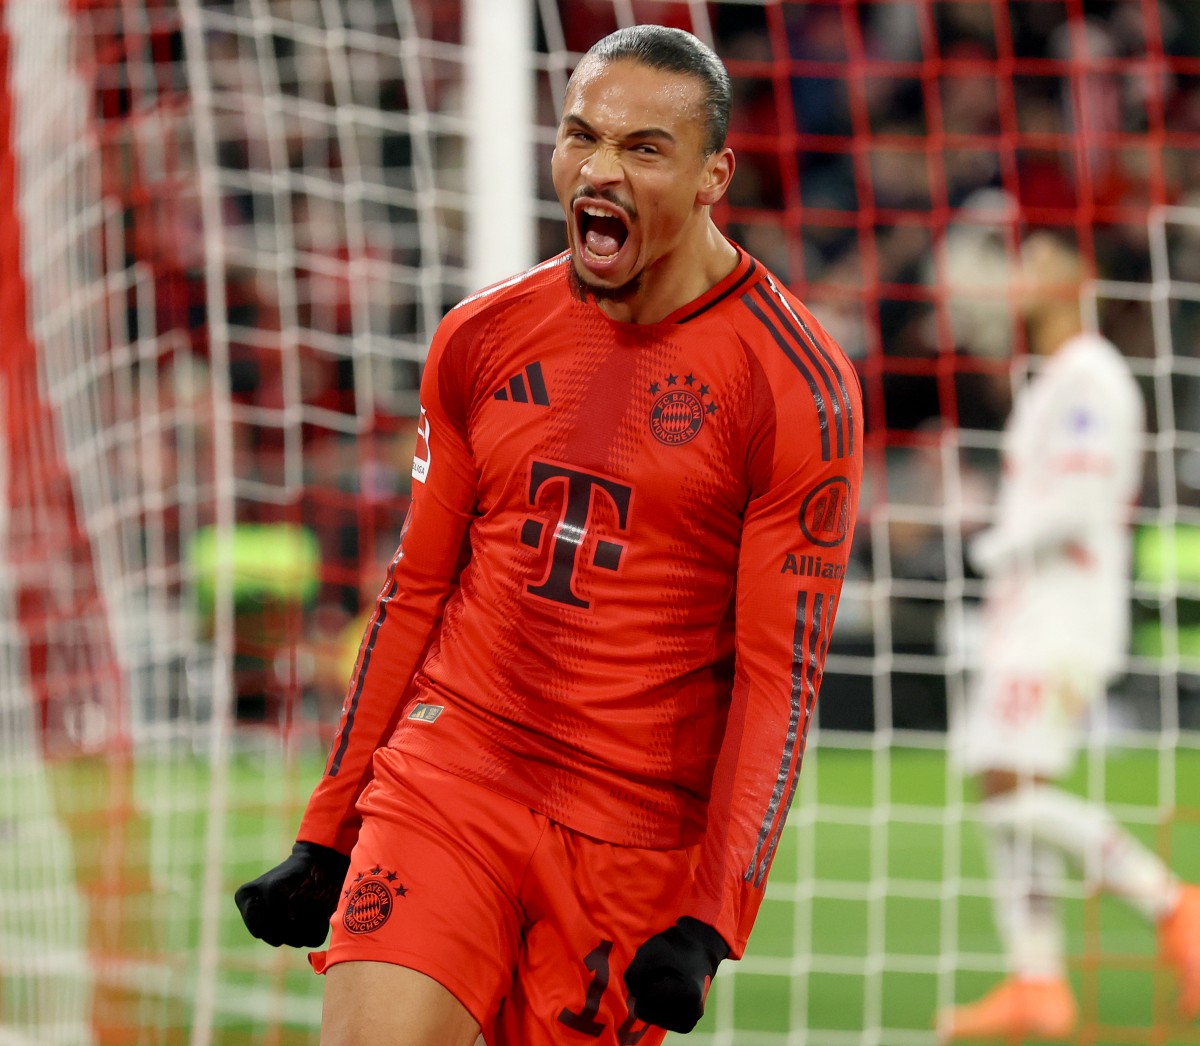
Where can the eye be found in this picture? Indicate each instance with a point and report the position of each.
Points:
(646, 150)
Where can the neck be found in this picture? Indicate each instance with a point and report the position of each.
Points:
(1052, 330)
(680, 276)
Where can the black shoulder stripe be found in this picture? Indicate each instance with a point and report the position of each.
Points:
(731, 290)
(833, 368)
(781, 340)
(802, 337)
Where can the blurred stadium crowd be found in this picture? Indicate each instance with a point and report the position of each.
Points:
(890, 156)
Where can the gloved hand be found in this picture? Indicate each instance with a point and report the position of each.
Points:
(670, 974)
(291, 904)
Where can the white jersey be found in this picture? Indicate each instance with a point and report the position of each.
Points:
(1057, 560)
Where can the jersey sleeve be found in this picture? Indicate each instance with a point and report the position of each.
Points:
(421, 578)
(1088, 444)
(795, 546)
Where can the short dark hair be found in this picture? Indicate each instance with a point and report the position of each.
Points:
(676, 51)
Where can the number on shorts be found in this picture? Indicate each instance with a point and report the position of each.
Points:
(1021, 699)
(629, 1034)
(584, 1022)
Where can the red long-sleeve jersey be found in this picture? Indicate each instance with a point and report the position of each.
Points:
(616, 585)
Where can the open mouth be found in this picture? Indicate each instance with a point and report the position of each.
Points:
(602, 231)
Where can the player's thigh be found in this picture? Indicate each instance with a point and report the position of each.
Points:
(590, 905)
(433, 884)
(368, 1003)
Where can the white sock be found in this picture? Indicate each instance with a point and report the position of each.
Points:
(1027, 884)
(1085, 832)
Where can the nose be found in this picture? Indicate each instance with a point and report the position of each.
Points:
(603, 167)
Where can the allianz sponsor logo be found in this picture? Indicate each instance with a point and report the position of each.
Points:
(811, 566)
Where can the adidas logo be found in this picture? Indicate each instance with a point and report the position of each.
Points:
(527, 387)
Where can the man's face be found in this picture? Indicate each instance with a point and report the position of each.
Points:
(629, 169)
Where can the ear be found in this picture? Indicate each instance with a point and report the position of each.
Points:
(718, 173)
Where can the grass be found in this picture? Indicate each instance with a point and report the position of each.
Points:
(877, 910)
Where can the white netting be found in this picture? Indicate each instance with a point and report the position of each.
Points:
(240, 223)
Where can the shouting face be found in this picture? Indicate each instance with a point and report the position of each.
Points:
(632, 176)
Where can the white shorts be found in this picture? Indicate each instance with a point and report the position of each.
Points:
(1027, 719)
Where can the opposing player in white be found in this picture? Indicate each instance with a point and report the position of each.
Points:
(1055, 632)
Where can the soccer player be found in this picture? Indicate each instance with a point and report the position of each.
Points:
(1056, 629)
(574, 728)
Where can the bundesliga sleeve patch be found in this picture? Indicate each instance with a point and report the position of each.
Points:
(421, 455)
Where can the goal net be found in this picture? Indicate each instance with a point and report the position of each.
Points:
(229, 230)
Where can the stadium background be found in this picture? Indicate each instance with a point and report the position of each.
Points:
(227, 230)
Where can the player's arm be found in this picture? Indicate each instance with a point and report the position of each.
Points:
(795, 549)
(795, 546)
(1077, 483)
(291, 904)
(420, 579)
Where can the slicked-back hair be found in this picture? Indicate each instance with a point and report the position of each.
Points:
(675, 51)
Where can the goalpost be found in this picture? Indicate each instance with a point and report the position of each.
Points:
(228, 229)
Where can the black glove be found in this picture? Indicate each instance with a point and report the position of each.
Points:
(669, 975)
(292, 903)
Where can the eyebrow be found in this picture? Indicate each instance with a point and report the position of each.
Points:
(644, 132)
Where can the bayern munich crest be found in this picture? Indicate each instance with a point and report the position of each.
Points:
(370, 900)
(681, 404)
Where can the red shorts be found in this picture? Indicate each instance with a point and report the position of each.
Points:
(528, 923)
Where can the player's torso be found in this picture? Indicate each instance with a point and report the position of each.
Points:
(1086, 388)
(593, 628)
(1075, 603)
(585, 664)
(612, 480)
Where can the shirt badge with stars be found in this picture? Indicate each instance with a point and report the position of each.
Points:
(680, 406)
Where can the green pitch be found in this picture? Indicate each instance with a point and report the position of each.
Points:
(882, 886)
(877, 905)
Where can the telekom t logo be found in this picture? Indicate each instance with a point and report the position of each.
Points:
(581, 493)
